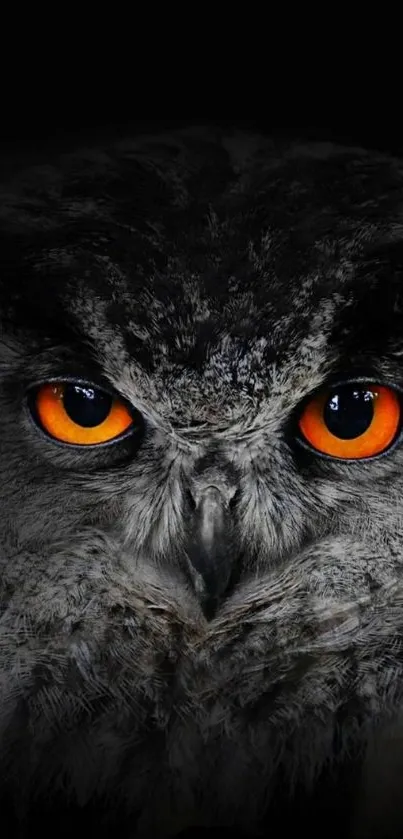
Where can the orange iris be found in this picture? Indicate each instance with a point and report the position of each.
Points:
(53, 415)
(375, 438)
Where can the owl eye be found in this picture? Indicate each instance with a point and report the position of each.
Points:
(351, 421)
(80, 414)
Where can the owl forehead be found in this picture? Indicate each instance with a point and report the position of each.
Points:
(242, 354)
(203, 274)
(211, 358)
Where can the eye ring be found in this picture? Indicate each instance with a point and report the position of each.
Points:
(351, 421)
(80, 414)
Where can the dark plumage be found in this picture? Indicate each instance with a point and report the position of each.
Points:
(174, 652)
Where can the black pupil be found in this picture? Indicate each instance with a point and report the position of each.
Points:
(349, 412)
(86, 406)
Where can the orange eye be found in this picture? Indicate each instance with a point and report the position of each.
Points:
(352, 421)
(80, 414)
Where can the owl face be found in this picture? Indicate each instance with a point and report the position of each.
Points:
(201, 461)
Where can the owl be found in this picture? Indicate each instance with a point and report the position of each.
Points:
(201, 483)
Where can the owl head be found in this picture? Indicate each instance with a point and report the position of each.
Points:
(200, 469)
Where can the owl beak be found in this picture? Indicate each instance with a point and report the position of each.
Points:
(211, 550)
